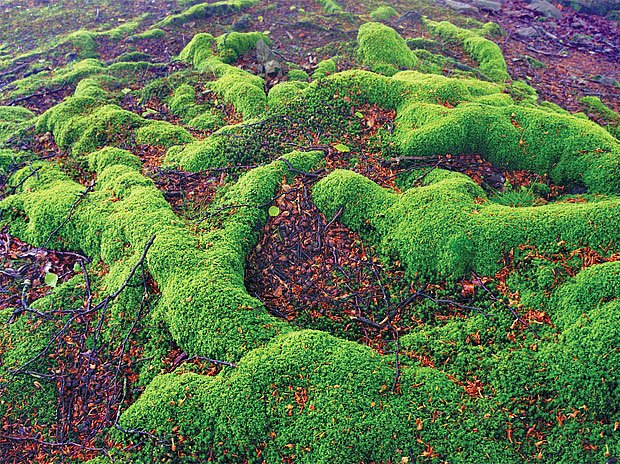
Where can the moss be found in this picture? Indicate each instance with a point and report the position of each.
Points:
(324, 68)
(298, 75)
(586, 291)
(285, 91)
(609, 118)
(488, 55)
(70, 74)
(447, 228)
(342, 389)
(99, 160)
(243, 90)
(330, 6)
(162, 133)
(585, 362)
(105, 126)
(90, 87)
(84, 42)
(12, 119)
(206, 10)
(133, 56)
(232, 45)
(149, 34)
(383, 13)
(570, 149)
(208, 121)
(198, 50)
(382, 49)
(20, 342)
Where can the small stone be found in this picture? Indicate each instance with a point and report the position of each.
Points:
(461, 7)
(526, 32)
(545, 8)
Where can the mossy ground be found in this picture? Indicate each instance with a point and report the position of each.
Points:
(491, 331)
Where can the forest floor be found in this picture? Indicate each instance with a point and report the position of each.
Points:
(303, 262)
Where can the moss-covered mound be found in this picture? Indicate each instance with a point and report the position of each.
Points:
(525, 367)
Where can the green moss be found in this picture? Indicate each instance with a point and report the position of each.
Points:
(488, 55)
(570, 149)
(243, 90)
(162, 133)
(198, 50)
(585, 362)
(345, 392)
(382, 49)
(70, 74)
(610, 119)
(206, 10)
(12, 119)
(105, 126)
(133, 57)
(447, 228)
(586, 291)
(232, 45)
(298, 75)
(99, 160)
(285, 91)
(20, 342)
(153, 33)
(84, 42)
(383, 13)
(330, 6)
(324, 68)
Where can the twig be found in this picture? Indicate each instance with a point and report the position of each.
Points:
(36, 94)
(68, 217)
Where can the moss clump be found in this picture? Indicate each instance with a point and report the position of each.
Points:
(447, 228)
(84, 42)
(298, 75)
(206, 10)
(153, 33)
(243, 90)
(162, 133)
(344, 391)
(488, 55)
(198, 50)
(104, 126)
(383, 49)
(324, 68)
(609, 118)
(330, 6)
(70, 74)
(109, 156)
(383, 13)
(285, 92)
(232, 45)
(572, 150)
(12, 119)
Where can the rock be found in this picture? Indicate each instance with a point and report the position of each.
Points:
(487, 5)
(599, 7)
(545, 8)
(272, 67)
(605, 80)
(526, 32)
(461, 7)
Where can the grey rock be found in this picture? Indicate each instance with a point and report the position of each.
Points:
(599, 7)
(526, 32)
(545, 8)
(487, 5)
(272, 67)
(461, 7)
